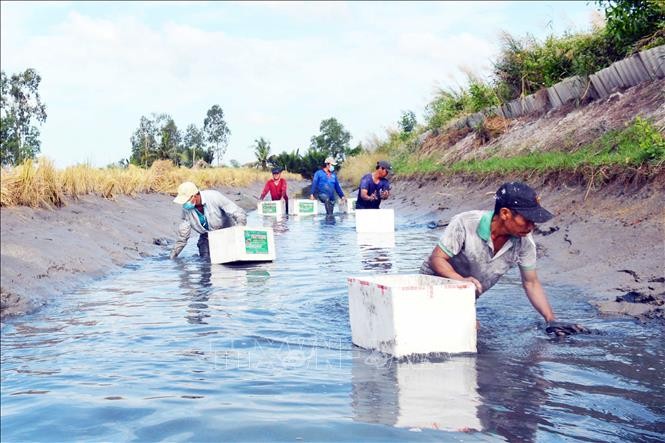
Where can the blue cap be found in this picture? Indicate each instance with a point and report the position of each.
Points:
(519, 197)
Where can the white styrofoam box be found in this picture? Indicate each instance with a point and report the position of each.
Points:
(276, 208)
(350, 206)
(435, 395)
(409, 314)
(303, 206)
(376, 239)
(375, 220)
(241, 243)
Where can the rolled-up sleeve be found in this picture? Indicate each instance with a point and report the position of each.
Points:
(453, 237)
(527, 255)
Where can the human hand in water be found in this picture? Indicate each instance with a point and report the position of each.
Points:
(561, 329)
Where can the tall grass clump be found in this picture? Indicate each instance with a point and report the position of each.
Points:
(449, 104)
(357, 166)
(32, 184)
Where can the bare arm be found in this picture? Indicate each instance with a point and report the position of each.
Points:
(536, 294)
(439, 261)
(365, 196)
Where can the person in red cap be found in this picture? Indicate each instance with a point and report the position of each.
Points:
(481, 246)
(277, 188)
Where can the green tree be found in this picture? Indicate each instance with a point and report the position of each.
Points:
(20, 106)
(156, 138)
(291, 161)
(216, 131)
(193, 145)
(628, 21)
(311, 162)
(234, 163)
(144, 143)
(169, 147)
(333, 140)
(407, 122)
(262, 152)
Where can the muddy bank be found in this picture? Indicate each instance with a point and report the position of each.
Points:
(610, 243)
(46, 253)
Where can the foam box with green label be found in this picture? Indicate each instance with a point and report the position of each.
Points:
(406, 314)
(276, 208)
(241, 244)
(375, 220)
(303, 206)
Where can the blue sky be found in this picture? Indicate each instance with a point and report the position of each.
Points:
(277, 69)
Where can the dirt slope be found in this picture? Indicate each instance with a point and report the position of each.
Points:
(564, 129)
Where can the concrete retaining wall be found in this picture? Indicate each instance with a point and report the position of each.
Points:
(645, 66)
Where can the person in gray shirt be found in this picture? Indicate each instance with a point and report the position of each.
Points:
(204, 211)
(481, 246)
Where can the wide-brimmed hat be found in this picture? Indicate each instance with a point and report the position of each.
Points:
(521, 198)
(185, 191)
(330, 161)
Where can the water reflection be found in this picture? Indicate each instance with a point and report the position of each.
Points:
(513, 393)
(376, 250)
(429, 394)
(195, 278)
(202, 280)
(278, 223)
(376, 239)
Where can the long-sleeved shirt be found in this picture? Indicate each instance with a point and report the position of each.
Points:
(219, 212)
(326, 184)
(277, 189)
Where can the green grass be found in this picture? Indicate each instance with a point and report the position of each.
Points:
(637, 145)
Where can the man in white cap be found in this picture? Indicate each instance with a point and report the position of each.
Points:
(204, 211)
(325, 185)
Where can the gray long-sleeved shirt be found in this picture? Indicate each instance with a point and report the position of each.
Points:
(220, 212)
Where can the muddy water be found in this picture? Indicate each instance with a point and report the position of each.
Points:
(185, 351)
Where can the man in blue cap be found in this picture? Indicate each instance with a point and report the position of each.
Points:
(481, 246)
(374, 187)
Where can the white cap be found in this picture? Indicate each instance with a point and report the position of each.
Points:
(331, 161)
(185, 192)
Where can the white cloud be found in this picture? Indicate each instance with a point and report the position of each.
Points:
(364, 64)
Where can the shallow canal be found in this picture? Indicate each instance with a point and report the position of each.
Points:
(180, 350)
